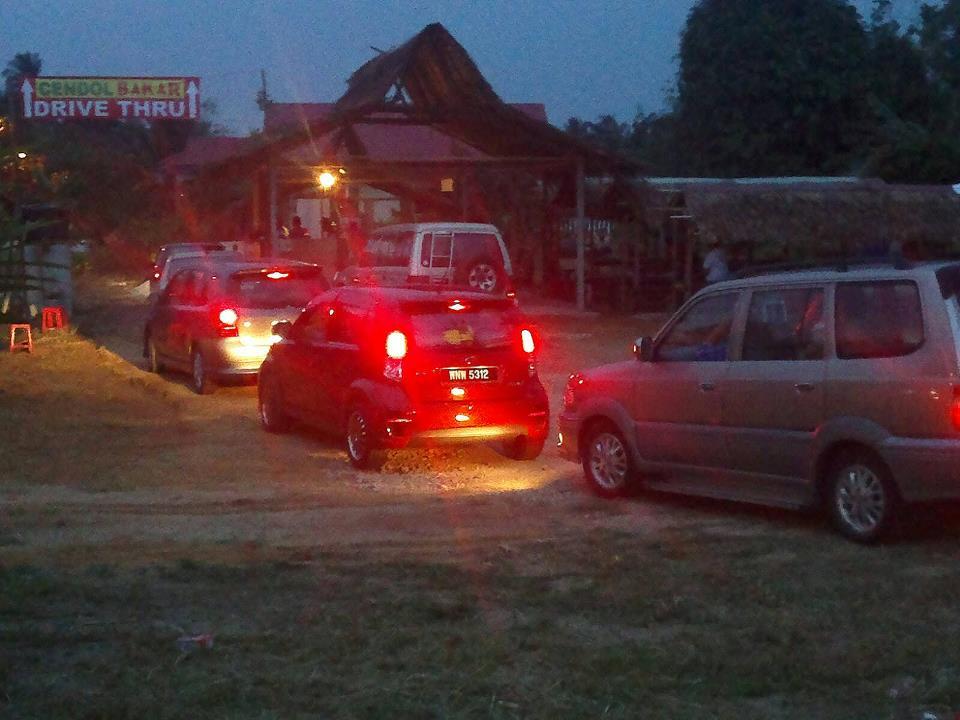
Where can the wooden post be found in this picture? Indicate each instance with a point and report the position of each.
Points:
(581, 244)
(539, 249)
(272, 230)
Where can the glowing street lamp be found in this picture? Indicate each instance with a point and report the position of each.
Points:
(326, 179)
(22, 155)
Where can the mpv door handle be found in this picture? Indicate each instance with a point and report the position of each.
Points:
(707, 386)
(803, 387)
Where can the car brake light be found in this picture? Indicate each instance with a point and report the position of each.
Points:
(396, 345)
(955, 409)
(526, 340)
(227, 322)
(277, 275)
(457, 306)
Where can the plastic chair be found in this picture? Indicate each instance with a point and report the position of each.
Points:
(17, 345)
(52, 318)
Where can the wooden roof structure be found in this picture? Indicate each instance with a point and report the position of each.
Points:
(431, 80)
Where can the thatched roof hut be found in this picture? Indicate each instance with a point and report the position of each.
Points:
(781, 218)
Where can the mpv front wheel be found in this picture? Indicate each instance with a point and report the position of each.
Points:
(862, 498)
(607, 465)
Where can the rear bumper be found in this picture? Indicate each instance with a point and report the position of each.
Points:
(229, 357)
(924, 470)
(445, 423)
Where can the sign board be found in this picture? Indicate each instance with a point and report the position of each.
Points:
(110, 98)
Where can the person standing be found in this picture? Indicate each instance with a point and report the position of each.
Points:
(715, 264)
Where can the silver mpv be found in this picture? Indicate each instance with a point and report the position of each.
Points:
(796, 389)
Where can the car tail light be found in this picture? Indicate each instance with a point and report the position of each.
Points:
(955, 409)
(396, 347)
(227, 322)
(526, 341)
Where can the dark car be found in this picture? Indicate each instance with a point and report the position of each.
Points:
(392, 367)
(215, 318)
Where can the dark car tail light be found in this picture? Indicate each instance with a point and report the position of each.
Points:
(529, 346)
(226, 320)
(396, 349)
(527, 342)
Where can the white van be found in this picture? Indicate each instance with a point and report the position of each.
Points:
(471, 255)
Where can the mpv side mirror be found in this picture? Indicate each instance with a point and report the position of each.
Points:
(281, 328)
(643, 349)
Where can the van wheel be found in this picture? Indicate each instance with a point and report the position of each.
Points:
(482, 275)
(200, 378)
(606, 460)
(273, 418)
(361, 449)
(153, 360)
(862, 497)
(523, 448)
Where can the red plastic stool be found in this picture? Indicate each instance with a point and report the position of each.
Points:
(52, 318)
(15, 344)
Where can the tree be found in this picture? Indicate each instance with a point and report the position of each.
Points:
(606, 133)
(25, 64)
(940, 44)
(773, 88)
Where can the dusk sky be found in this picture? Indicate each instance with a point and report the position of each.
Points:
(582, 58)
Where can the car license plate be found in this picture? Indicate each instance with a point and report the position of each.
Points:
(470, 374)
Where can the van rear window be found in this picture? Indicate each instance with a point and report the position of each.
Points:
(261, 291)
(388, 250)
(949, 279)
(449, 330)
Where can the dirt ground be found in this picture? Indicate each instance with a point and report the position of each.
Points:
(105, 460)
(453, 584)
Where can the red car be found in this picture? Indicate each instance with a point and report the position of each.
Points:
(392, 367)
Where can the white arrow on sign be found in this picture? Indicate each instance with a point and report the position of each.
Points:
(27, 90)
(192, 94)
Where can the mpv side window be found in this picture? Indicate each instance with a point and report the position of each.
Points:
(702, 334)
(879, 319)
(785, 324)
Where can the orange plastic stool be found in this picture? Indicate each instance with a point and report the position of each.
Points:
(15, 344)
(52, 318)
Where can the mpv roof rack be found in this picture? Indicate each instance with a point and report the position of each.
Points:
(894, 259)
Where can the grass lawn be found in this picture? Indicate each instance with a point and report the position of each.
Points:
(691, 625)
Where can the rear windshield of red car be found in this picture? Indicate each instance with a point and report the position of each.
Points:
(480, 327)
(286, 288)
